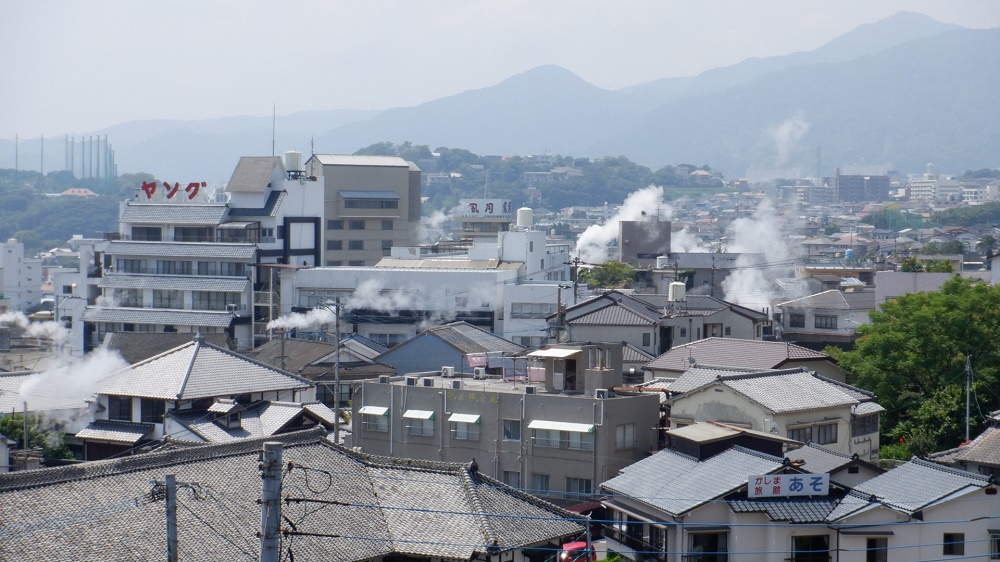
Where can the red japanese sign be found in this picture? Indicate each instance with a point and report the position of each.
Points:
(149, 188)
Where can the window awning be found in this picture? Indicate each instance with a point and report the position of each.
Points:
(464, 418)
(374, 410)
(419, 414)
(562, 426)
(556, 353)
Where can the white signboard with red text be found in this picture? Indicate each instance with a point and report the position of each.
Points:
(783, 485)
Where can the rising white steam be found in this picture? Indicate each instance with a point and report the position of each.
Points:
(786, 136)
(592, 245)
(684, 241)
(432, 228)
(50, 329)
(750, 284)
(312, 319)
(71, 378)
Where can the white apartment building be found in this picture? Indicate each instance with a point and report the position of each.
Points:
(20, 278)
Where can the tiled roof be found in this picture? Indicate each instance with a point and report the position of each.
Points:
(115, 431)
(298, 354)
(178, 282)
(834, 300)
(632, 354)
(43, 393)
(819, 459)
(691, 483)
(252, 174)
(204, 250)
(136, 346)
(613, 315)
(158, 316)
(865, 408)
(198, 370)
(103, 510)
(260, 420)
(731, 352)
(911, 487)
(469, 339)
(166, 213)
(984, 449)
(791, 510)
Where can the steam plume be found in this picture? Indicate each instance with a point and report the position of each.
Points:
(593, 243)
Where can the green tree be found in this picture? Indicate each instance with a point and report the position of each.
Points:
(912, 356)
(987, 246)
(41, 434)
(610, 275)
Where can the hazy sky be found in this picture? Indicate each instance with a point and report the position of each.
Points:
(72, 67)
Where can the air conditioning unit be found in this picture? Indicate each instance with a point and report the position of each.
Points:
(447, 372)
(412, 381)
(601, 393)
(530, 389)
(384, 379)
(479, 373)
(456, 385)
(428, 381)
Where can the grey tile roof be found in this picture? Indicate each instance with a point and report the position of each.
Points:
(613, 315)
(691, 483)
(136, 346)
(252, 174)
(791, 510)
(738, 353)
(158, 316)
(259, 420)
(178, 282)
(205, 250)
(115, 431)
(819, 459)
(632, 354)
(198, 370)
(396, 506)
(167, 213)
(298, 354)
(911, 487)
(984, 449)
(469, 339)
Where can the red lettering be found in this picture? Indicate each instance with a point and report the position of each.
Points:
(149, 189)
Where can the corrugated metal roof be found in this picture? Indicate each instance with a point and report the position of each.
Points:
(183, 250)
(252, 174)
(178, 282)
(721, 352)
(164, 213)
(158, 316)
(198, 370)
(691, 483)
(358, 160)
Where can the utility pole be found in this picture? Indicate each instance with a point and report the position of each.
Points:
(968, 387)
(336, 375)
(270, 504)
(171, 517)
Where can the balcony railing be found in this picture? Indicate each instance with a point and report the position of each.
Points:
(649, 552)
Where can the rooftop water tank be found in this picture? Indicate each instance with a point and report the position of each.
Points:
(293, 161)
(676, 291)
(525, 217)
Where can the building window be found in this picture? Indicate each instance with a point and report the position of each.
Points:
(819, 434)
(954, 544)
(466, 431)
(877, 549)
(512, 478)
(167, 298)
(233, 269)
(147, 233)
(462, 302)
(386, 245)
(540, 484)
(152, 410)
(682, 332)
(334, 263)
(334, 245)
(423, 428)
(387, 340)
(129, 297)
(863, 425)
(355, 225)
(356, 263)
(511, 430)
(728, 330)
(796, 320)
(171, 267)
(994, 547)
(810, 548)
(355, 244)
(120, 408)
(130, 266)
(709, 546)
(647, 339)
(548, 438)
(625, 436)
(826, 322)
(373, 422)
(581, 441)
(531, 309)
(211, 300)
(386, 225)
(371, 204)
(266, 235)
(577, 487)
(335, 225)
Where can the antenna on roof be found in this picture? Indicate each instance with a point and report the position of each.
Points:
(274, 115)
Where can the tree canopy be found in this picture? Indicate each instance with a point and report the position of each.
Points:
(610, 275)
(912, 356)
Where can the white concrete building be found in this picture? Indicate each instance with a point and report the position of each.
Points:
(20, 277)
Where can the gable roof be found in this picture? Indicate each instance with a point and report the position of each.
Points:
(910, 488)
(174, 213)
(691, 483)
(730, 352)
(259, 420)
(105, 509)
(465, 338)
(778, 391)
(198, 370)
(818, 459)
(984, 449)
